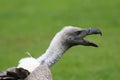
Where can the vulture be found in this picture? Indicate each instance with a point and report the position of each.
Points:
(39, 68)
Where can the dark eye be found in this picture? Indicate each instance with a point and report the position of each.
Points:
(78, 32)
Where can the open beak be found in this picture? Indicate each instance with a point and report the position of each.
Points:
(91, 31)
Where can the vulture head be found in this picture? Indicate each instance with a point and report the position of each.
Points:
(75, 36)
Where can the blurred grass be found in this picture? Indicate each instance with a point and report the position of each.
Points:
(29, 25)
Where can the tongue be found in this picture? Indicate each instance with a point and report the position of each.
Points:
(92, 44)
(88, 43)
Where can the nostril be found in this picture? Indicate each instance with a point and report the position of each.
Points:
(78, 32)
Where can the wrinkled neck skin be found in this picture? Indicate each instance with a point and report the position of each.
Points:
(54, 52)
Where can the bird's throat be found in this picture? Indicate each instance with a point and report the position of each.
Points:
(56, 49)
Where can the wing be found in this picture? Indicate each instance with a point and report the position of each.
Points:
(42, 72)
(14, 74)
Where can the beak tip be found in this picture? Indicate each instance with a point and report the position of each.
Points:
(96, 46)
(95, 31)
(101, 33)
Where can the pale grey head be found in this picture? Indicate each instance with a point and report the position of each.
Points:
(66, 38)
(75, 36)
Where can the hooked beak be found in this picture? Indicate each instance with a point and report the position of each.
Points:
(91, 31)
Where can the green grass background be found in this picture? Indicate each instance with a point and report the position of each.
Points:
(29, 25)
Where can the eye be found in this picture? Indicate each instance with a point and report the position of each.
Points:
(78, 32)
